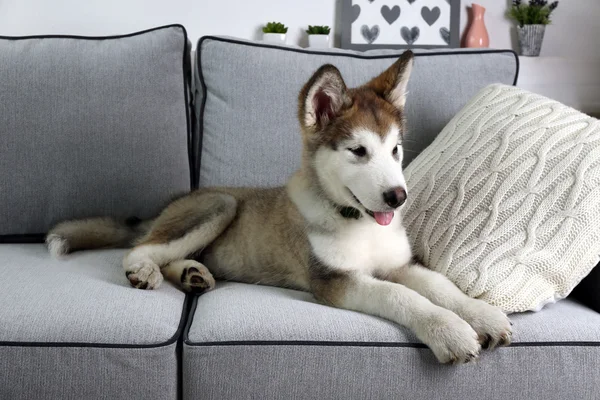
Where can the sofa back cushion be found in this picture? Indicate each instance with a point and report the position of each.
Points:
(92, 126)
(247, 93)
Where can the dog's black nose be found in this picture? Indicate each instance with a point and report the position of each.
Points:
(395, 197)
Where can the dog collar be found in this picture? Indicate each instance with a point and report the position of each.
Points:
(350, 212)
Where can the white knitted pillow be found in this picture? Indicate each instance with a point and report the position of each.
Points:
(506, 201)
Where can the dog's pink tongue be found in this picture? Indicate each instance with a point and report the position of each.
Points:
(383, 218)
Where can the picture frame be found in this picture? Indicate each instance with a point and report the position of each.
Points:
(400, 24)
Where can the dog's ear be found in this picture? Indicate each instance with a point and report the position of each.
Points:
(391, 84)
(322, 98)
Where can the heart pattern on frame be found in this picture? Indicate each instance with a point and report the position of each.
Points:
(430, 15)
(411, 35)
(419, 23)
(355, 12)
(390, 14)
(370, 34)
(445, 34)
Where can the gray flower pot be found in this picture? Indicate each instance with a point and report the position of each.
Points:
(530, 39)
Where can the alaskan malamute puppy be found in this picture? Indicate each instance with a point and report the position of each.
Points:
(335, 229)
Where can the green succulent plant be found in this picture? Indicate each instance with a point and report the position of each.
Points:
(275, 27)
(318, 30)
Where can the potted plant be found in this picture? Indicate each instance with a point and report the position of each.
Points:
(532, 19)
(318, 36)
(274, 32)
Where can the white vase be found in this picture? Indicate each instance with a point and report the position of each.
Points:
(320, 41)
(278, 38)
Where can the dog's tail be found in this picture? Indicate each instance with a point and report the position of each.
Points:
(95, 233)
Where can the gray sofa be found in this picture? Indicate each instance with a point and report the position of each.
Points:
(118, 126)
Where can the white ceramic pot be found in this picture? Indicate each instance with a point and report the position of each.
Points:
(278, 38)
(321, 41)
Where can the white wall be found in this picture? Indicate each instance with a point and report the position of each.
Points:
(240, 18)
(573, 36)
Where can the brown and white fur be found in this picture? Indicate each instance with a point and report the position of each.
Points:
(297, 236)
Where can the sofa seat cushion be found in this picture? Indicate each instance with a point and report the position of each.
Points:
(280, 340)
(62, 321)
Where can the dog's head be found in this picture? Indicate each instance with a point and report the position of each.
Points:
(353, 137)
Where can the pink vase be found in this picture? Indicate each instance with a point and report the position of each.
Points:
(477, 35)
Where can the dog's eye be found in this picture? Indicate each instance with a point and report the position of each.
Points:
(395, 151)
(359, 151)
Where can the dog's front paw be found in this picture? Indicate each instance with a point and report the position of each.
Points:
(492, 326)
(144, 275)
(451, 338)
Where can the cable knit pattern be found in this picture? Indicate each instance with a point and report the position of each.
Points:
(506, 201)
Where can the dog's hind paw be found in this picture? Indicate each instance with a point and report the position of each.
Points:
(144, 275)
(196, 278)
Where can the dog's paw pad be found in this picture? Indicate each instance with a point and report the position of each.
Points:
(144, 275)
(197, 279)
